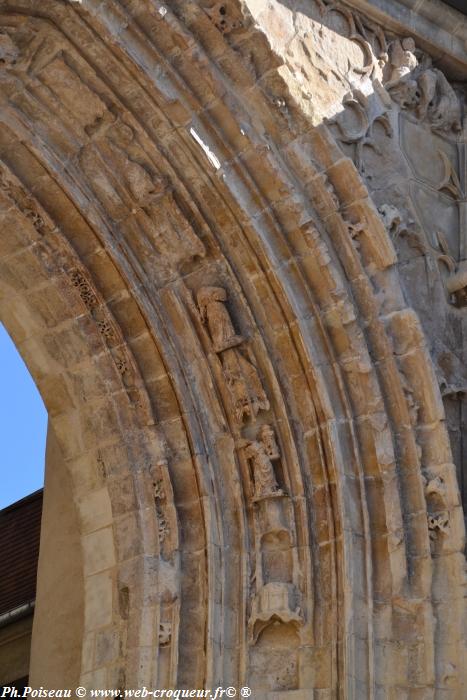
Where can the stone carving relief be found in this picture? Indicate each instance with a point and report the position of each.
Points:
(438, 514)
(168, 639)
(166, 522)
(456, 281)
(275, 595)
(275, 598)
(456, 285)
(402, 60)
(417, 86)
(225, 17)
(262, 453)
(450, 181)
(361, 30)
(211, 303)
(85, 291)
(25, 203)
(146, 202)
(242, 378)
(359, 130)
(397, 228)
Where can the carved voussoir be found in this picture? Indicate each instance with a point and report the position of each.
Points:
(261, 453)
(244, 383)
(211, 304)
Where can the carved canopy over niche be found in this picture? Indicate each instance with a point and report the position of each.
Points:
(264, 423)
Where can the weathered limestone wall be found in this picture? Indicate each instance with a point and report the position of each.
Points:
(233, 259)
(58, 617)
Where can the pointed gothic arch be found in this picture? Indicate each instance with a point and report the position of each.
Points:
(247, 474)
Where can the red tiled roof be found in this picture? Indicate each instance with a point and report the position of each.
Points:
(20, 526)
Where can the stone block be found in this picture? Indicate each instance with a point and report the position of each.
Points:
(98, 590)
(98, 551)
(95, 510)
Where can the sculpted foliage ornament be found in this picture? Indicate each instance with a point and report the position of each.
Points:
(367, 119)
(241, 375)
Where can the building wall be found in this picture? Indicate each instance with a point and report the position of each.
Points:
(58, 617)
(15, 650)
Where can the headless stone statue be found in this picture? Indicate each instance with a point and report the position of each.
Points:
(264, 477)
(211, 302)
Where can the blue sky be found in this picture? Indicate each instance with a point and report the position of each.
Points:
(23, 427)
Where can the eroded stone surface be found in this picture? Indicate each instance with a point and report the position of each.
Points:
(233, 258)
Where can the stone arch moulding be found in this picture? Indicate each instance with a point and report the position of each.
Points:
(208, 300)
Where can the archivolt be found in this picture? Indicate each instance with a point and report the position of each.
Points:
(262, 480)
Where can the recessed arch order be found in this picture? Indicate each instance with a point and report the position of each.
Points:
(226, 387)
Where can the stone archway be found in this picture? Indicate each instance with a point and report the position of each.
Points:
(230, 377)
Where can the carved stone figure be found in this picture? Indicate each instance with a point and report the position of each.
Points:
(402, 60)
(436, 488)
(163, 525)
(438, 523)
(211, 302)
(438, 514)
(172, 233)
(416, 84)
(265, 479)
(85, 291)
(268, 438)
(391, 217)
(244, 384)
(438, 101)
(456, 282)
(456, 285)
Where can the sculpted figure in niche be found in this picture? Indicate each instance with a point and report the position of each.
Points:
(415, 84)
(244, 385)
(211, 302)
(402, 60)
(263, 470)
(172, 232)
(268, 438)
(438, 523)
(438, 101)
